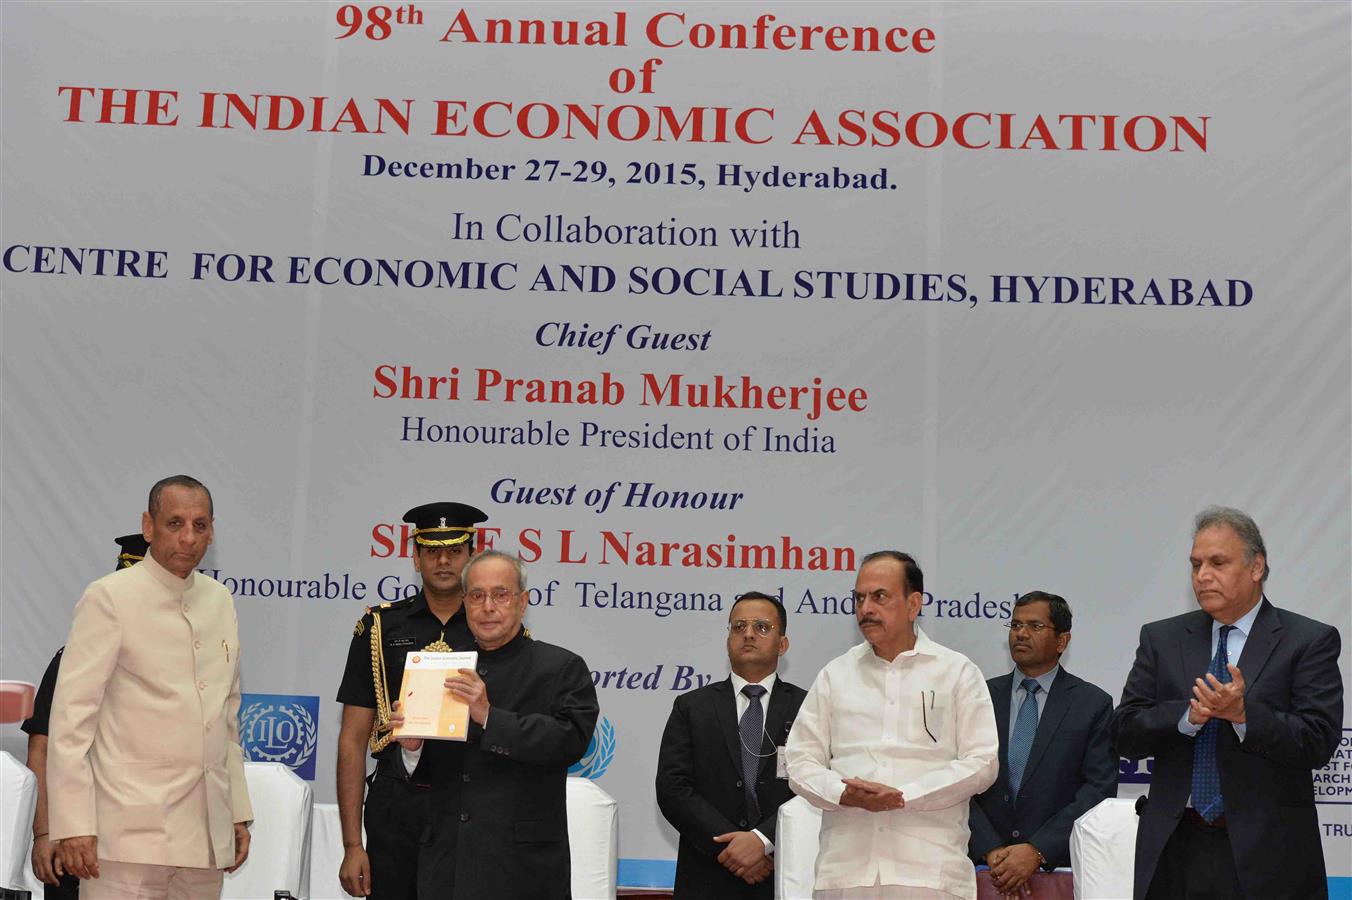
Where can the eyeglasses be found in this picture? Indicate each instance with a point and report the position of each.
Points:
(1032, 627)
(499, 596)
(763, 627)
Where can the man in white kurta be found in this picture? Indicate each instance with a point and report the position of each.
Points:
(894, 738)
(145, 772)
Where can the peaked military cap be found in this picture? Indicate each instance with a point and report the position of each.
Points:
(134, 549)
(444, 524)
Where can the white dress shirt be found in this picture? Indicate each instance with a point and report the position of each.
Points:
(1018, 695)
(743, 701)
(923, 724)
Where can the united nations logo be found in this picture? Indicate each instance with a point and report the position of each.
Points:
(281, 728)
(600, 752)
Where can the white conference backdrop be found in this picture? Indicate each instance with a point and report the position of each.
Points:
(1009, 445)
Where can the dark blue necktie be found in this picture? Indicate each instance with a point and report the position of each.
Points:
(1025, 728)
(1206, 773)
(751, 727)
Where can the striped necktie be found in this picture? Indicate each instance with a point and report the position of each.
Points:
(1025, 728)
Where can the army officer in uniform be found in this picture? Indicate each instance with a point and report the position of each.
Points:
(396, 812)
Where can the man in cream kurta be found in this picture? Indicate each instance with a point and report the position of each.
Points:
(145, 771)
(893, 739)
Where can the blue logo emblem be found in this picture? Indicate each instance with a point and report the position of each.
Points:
(282, 728)
(600, 752)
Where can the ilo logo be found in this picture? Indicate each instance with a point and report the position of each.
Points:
(282, 728)
(600, 752)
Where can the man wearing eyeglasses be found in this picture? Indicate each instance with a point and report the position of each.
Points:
(1056, 757)
(396, 805)
(720, 777)
(499, 825)
(894, 738)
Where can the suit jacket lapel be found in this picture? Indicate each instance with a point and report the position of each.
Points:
(1195, 648)
(726, 710)
(1258, 646)
(1000, 692)
(1059, 699)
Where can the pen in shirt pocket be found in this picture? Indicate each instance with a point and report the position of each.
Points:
(926, 706)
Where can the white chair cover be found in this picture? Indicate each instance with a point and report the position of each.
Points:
(18, 799)
(593, 840)
(279, 849)
(1103, 850)
(326, 854)
(796, 849)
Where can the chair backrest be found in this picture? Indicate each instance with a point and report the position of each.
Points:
(593, 840)
(279, 848)
(796, 849)
(326, 853)
(1103, 850)
(18, 799)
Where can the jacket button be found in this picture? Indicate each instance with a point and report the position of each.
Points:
(1015, 832)
(464, 777)
(739, 784)
(1006, 798)
(483, 670)
(464, 817)
(742, 823)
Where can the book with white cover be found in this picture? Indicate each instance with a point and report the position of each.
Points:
(430, 710)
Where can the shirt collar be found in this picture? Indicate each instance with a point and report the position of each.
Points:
(1244, 625)
(1044, 680)
(924, 646)
(165, 577)
(738, 682)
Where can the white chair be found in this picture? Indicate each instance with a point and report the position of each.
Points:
(326, 854)
(279, 849)
(1103, 850)
(796, 849)
(593, 840)
(18, 799)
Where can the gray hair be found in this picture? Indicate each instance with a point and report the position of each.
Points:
(496, 554)
(183, 481)
(1241, 524)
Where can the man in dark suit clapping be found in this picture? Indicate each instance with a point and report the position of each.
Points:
(1056, 758)
(1237, 701)
(720, 781)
